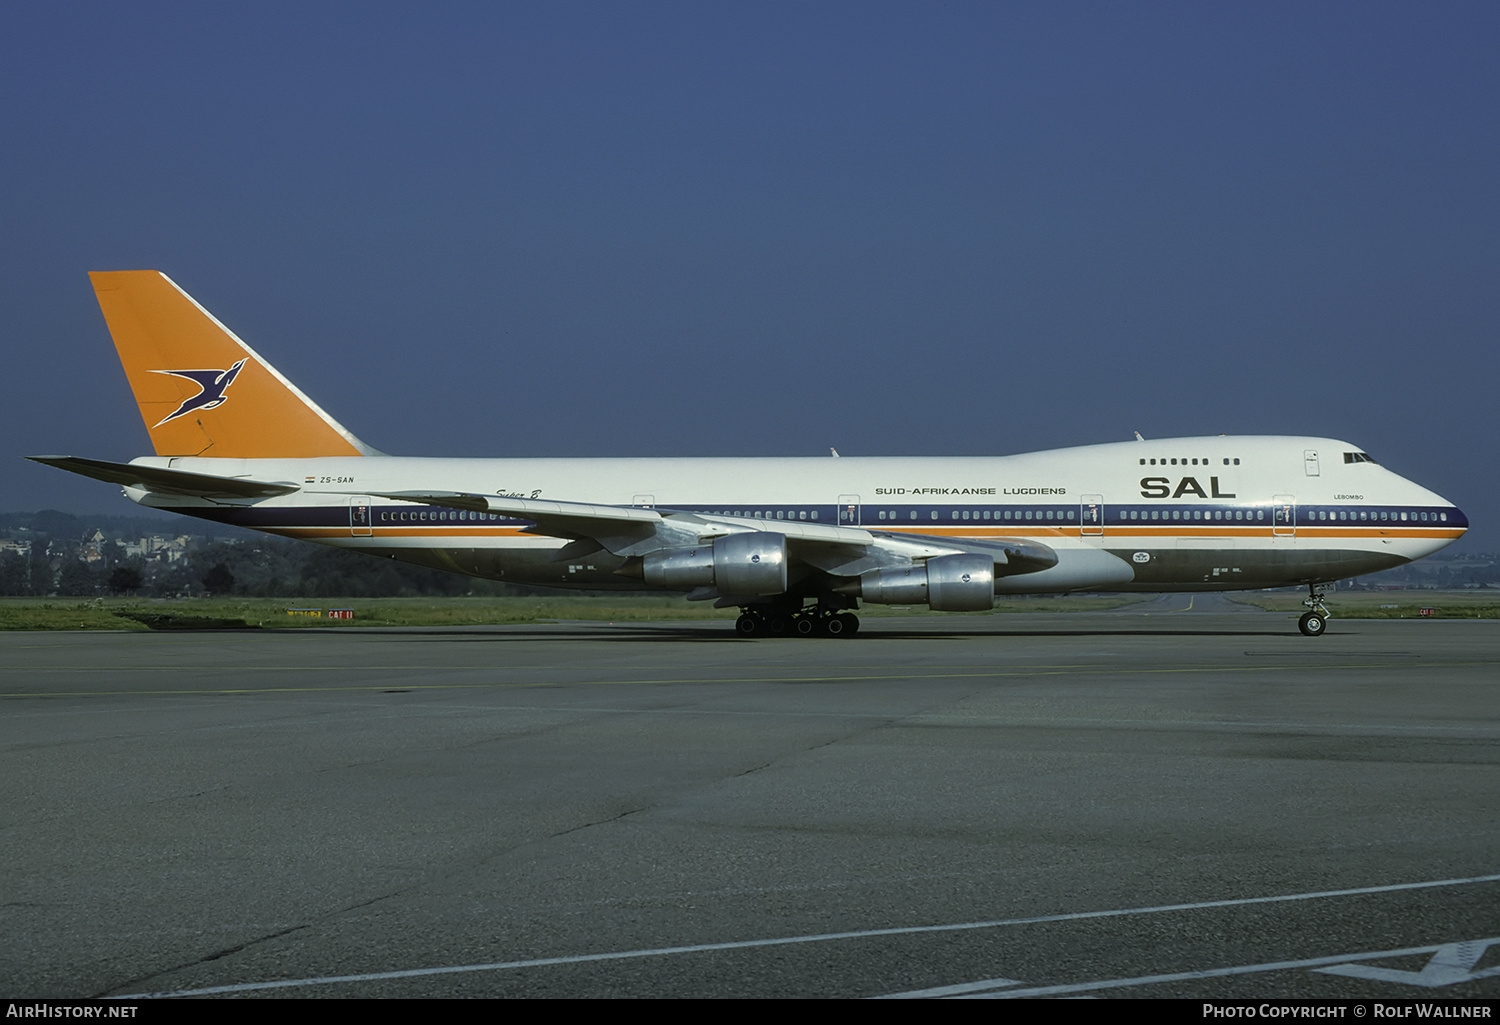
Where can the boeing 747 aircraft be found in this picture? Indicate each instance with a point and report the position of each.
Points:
(795, 544)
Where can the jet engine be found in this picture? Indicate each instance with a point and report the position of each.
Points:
(753, 563)
(948, 583)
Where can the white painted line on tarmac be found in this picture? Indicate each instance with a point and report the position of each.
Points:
(1451, 964)
(1076, 916)
(1315, 963)
(959, 990)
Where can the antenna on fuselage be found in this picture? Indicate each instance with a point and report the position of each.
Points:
(1138, 436)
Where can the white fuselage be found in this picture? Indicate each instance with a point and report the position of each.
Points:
(1180, 514)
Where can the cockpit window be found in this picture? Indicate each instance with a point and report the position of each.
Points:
(1357, 457)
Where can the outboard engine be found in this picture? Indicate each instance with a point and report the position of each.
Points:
(753, 562)
(948, 583)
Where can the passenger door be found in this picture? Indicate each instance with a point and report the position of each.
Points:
(1091, 515)
(360, 517)
(1284, 516)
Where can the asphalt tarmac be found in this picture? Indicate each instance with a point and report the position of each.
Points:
(1183, 799)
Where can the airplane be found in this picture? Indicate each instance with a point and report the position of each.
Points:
(794, 543)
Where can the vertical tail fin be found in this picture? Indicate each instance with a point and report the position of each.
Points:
(202, 391)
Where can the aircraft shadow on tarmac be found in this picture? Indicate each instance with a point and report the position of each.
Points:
(635, 632)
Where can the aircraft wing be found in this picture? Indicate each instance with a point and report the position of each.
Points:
(836, 550)
(170, 482)
(1012, 555)
(629, 530)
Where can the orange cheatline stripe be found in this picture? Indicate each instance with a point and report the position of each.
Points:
(1135, 530)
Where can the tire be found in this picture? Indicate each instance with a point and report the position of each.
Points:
(805, 626)
(749, 626)
(1312, 624)
(779, 626)
(850, 621)
(834, 626)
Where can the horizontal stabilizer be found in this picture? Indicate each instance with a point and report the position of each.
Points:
(165, 481)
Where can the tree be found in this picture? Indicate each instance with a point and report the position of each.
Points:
(77, 579)
(51, 521)
(219, 580)
(39, 566)
(125, 578)
(14, 578)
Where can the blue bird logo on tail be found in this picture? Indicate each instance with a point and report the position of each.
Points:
(212, 385)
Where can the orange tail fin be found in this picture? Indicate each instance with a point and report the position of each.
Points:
(202, 391)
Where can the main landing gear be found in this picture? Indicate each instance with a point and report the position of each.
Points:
(812, 623)
(1315, 620)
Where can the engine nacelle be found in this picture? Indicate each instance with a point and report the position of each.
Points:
(906, 586)
(753, 562)
(948, 583)
(961, 583)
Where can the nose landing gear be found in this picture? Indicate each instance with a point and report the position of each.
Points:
(1315, 620)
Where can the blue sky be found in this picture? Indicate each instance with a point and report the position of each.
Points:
(733, 229)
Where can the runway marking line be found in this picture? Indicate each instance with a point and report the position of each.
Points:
(696, 948)
(997, 989)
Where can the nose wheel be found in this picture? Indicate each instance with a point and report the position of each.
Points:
(1315, 620)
